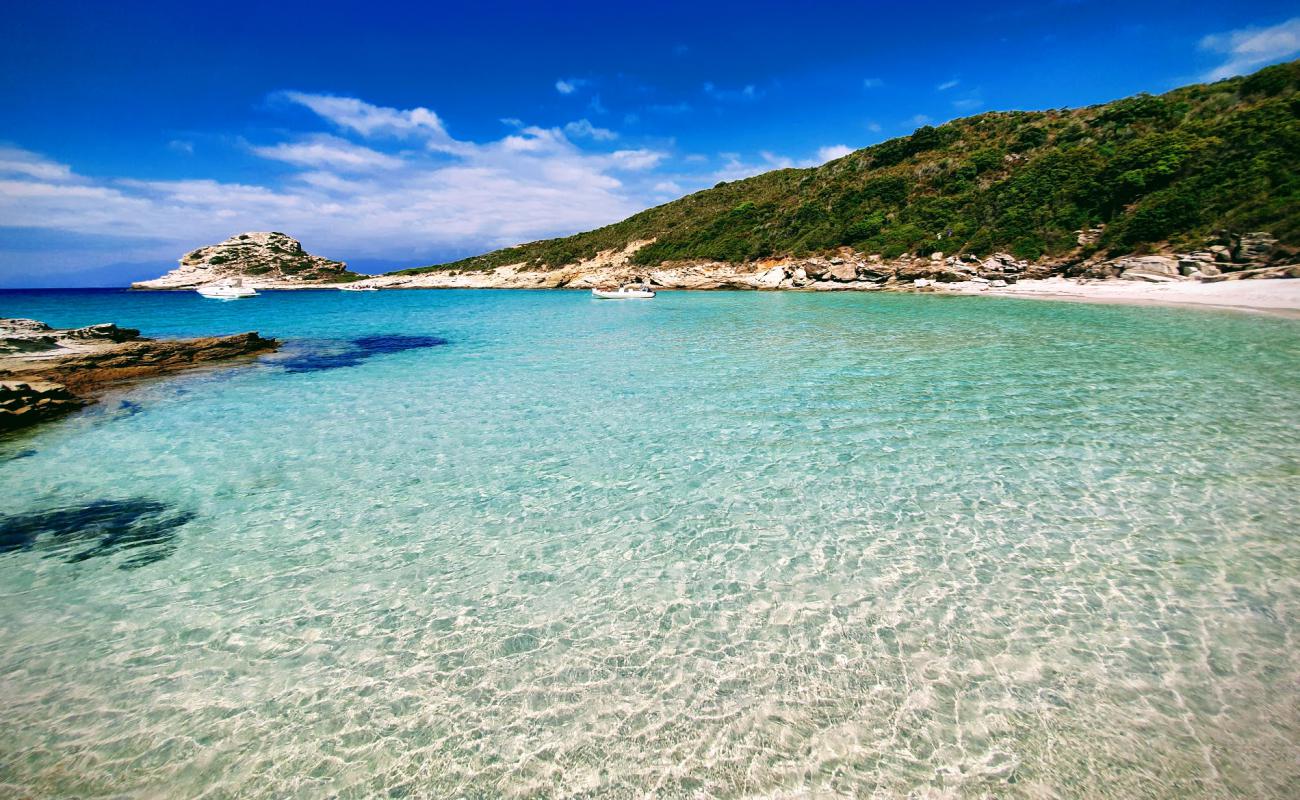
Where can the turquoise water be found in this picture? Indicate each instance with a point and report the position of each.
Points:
(528, 544)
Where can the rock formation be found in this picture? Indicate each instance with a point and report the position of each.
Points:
(263, 260)
(46, 372)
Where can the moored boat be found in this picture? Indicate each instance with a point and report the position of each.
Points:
(231, 289)
(630, 292)
(352, 287)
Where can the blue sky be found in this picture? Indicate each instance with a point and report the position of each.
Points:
(392, 135)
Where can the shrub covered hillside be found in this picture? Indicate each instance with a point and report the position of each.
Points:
(1153, 169)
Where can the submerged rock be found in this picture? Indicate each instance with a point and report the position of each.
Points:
(142, 528)
(350, 353)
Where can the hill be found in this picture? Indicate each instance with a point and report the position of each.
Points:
(264, 259)
(1199, 165)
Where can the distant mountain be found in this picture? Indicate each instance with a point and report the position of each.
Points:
(264, 259)
(1198, 165)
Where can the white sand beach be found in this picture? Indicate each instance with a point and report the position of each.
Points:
(1272, 296)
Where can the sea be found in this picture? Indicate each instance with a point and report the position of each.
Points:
(481, 544)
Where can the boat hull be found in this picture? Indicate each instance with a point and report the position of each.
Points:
(601, 294)
(226, 294)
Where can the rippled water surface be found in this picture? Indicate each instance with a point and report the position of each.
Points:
(484, 544)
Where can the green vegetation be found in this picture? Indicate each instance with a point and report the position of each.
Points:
(1153, 169)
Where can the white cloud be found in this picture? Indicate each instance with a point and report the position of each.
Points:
(372, 121)
(1249, 48)
(584, 129)
(874, 127)
(832, 152)
(872, 83)
(946, 85)
(569, 85)
(635, 160)
(16, 162)
(967, 103)
(181, 146)
(383, 198)
(328, 151)
(668, 187)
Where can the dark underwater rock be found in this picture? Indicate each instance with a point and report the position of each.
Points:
(144, 529)
(329, 356)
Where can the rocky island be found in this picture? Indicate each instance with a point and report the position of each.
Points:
(262, 259)
(48, 372)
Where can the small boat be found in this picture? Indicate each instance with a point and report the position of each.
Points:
(630, 292)
(352, 287)
(231, 289)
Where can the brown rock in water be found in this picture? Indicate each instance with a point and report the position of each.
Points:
(87, 372)
(46, 372)
(24, 403)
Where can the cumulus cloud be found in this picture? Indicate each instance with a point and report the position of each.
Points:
(584, 129)
(389, 182)
(372, 121)
(18, 163)
(328, 151)
(1248, 48)
(832, 152)
(569, 85)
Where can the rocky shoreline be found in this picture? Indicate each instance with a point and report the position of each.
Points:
(48, 372)
(277, 261)
(1256, 256)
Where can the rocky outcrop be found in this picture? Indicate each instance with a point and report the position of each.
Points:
(31, 336)
(47, 372)
(263, 260)
(24, 403)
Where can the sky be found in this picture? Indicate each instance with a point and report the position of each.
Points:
(391, 135)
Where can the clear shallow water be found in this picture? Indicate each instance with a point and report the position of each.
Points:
(531, 544)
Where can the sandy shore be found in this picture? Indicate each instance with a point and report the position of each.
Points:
(1271, 296)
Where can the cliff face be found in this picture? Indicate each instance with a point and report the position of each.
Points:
(264, 260)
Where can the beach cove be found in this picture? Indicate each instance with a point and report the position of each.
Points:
(520, 543)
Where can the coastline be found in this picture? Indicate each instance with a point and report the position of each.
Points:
(1279, 296)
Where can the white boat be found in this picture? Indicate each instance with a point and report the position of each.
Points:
(231, 289)
(352, 287)
(631, 292)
